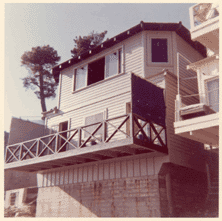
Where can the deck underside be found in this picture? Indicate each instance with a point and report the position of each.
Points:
(115, 149)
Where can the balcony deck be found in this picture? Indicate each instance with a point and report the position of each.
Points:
(204, 19)
(125, 135)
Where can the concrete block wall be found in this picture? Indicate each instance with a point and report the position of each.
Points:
(127, 197)
(124, 187)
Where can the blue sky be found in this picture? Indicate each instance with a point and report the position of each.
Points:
(31, 25)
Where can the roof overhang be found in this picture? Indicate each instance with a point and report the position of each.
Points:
(177, 27)
(196, 65)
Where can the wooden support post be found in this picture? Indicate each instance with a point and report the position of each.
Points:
(56, 142)
(20, 152)
(177, 107)
(80, 137)
(131, 125)
(37, 149)
(104, 132)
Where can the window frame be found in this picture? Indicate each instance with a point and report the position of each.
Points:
(159, 35)
(105, 117)
(167, 51)
(120, 64)
(206, 90)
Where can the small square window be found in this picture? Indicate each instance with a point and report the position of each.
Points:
(159, 50)
(13, 198)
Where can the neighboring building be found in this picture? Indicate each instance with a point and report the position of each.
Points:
(18, 184)
(198, 114)
(112, 150)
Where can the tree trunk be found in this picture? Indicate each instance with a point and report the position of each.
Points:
(42, 97)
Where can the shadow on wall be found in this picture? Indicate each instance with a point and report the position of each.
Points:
(129, 197)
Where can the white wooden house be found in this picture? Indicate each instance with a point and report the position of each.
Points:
(112, 151)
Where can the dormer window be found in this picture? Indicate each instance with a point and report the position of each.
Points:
(159, 50)
(98, 70)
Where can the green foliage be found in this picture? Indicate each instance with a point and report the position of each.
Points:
(85, 43)
(39, 62)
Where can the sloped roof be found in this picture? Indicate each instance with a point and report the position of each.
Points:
(177, 27)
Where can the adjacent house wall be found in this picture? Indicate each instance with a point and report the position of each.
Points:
(182, 151)
(22, 130)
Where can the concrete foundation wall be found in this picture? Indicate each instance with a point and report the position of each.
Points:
(128, 197)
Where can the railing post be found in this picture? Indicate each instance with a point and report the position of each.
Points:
(20, 152)
(80, 137)
(56, 142)
(104, 132)
(177, 107)
(37, 148)
(131, 125)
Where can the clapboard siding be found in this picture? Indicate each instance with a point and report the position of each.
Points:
(134, 55)
(135, 166)
(101, 89)
(113, 106)
(187, 50)
(132, 62)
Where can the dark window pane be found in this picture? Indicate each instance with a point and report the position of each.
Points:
(159, 50)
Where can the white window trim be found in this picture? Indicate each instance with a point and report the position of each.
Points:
(104, 111)
(95, 59)
(205, 88)
(57, 124)
(169, 49)
(105, 115)
(74, 77)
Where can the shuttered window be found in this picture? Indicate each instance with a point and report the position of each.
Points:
(91, 120)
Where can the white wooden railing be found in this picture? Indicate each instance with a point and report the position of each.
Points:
(106, 131)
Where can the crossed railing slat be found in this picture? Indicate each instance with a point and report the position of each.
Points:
(55, 143)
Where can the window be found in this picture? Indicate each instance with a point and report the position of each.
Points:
(63, 127)
(80, 77)
(212, 93)
(91, 120)
(159, 50)
(98, 70)
(13, 198)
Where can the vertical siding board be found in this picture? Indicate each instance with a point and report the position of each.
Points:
(112, 170)
(39, 179)
(85, 174)
(143, 167)
(101, 172)
(95, 172)
(150, 166)
(80, 171)
(106, 171)
(137, 167)
(70, 176)
(49, 179)
(123, 169)
(53, 178)
(57, 178)
(75, 175)
(118, 169)
(61, 182)
(66, 178)
(44, 179)
(130, 168)
(90, 173)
